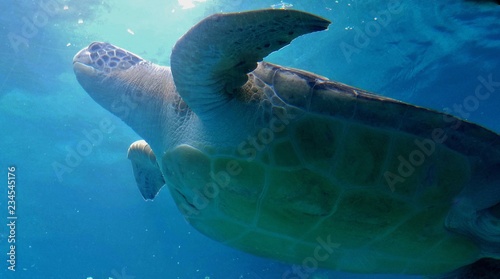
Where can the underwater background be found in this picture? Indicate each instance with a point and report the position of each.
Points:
(91, 221)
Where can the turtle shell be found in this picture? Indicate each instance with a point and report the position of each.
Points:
(336, 177)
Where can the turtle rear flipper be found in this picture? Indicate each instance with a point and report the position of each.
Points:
(146, 171)
(486, 268)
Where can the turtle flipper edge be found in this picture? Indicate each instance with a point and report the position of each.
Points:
(146, 171)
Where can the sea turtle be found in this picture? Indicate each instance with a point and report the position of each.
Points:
(289, 165)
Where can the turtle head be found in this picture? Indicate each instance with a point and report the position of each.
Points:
(113, 77)
(104, 58)
(106, 71)
(125, 84)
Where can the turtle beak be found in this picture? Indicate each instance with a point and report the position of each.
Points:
(82, 63)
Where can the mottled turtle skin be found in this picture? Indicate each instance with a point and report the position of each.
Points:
(289, 165)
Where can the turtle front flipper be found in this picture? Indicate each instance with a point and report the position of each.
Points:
(211, 61)
(146, 171)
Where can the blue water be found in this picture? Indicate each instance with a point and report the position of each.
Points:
(92, 221)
